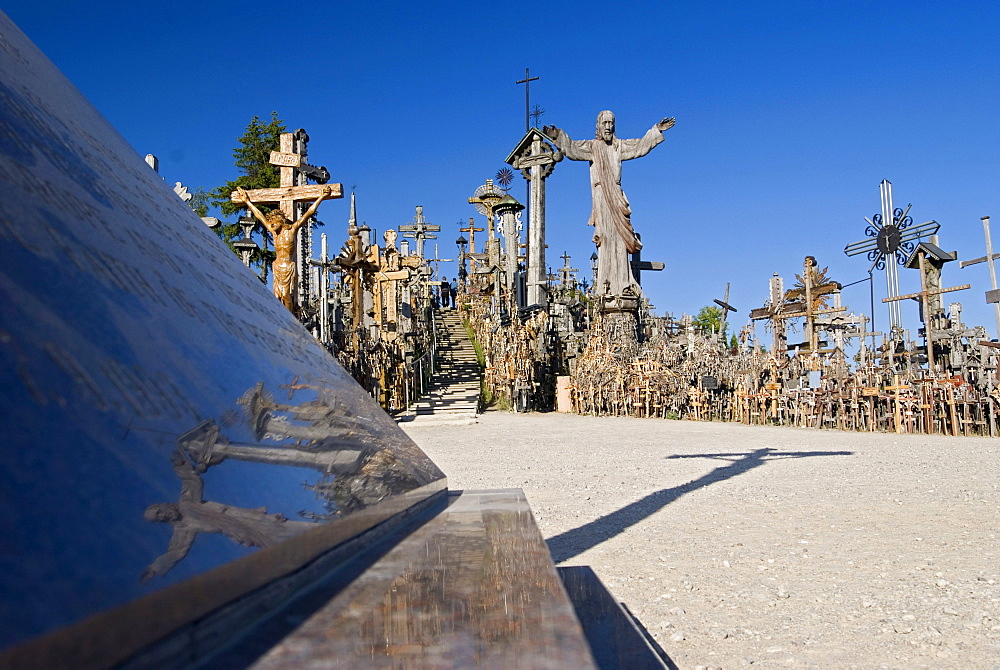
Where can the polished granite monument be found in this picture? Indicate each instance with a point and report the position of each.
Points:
(186, 476)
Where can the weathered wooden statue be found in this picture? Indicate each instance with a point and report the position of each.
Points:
(284, 232)
(610, 215)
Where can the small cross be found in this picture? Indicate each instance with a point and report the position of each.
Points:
(566, 272)
(536, 113)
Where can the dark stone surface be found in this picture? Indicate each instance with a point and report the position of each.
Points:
(142, 364)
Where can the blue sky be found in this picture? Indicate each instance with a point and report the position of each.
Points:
(789, 114)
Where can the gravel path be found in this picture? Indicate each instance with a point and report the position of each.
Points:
(743, 546)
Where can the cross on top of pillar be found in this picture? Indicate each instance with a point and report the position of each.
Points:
(420, 229)
(566, 272)
(534, 150)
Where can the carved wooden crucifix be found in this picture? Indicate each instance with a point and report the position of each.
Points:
(287, 196)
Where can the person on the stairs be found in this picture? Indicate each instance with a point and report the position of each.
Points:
(445, 292)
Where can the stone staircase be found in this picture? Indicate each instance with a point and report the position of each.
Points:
(453, 396)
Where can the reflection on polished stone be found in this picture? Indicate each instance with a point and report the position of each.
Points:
(162, 414)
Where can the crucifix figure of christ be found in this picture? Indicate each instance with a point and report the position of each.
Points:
(610, 214)
(471, 230)
(284, 232)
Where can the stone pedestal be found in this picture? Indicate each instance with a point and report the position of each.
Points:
(620, 330)
(564, 399)
(614, 304)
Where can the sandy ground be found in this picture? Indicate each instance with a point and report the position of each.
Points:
(742, 546)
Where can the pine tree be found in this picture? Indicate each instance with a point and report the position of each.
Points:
(252, 157)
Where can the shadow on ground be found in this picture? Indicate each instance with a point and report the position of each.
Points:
(574, 542)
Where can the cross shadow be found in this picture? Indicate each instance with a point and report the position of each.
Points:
(574, 542)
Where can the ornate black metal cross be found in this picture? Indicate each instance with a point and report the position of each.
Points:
(891, 235)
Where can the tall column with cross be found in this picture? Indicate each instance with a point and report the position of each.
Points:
(420, 230)
(535, 156)
(508, 211)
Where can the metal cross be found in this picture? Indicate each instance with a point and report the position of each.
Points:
(890, 237)
(536, 113)
(994, 295)
(527, 83)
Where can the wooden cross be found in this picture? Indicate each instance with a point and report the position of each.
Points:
(419, 230)
(812, 295)
(437, 261)
(386, 299)
(639, 266)
(773, 312)
(356, 260)
(487, 197)
(726, 307)
(289, 194)
(923, 295)
(471, 230)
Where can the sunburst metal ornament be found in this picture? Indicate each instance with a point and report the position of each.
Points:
(485, 197)
(891, 234)
(504, 177)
